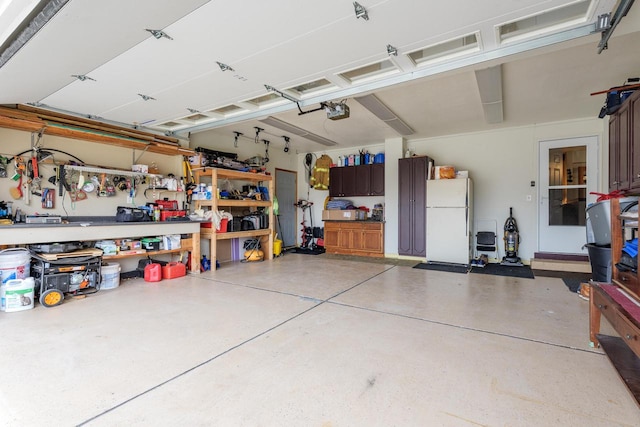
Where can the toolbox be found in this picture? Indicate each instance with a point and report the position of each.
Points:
(167, 204)
(165, 214)
(127, 214)
(151, 243)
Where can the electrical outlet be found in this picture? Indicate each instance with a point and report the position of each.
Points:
(528, 197)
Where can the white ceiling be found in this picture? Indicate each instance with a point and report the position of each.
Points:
(546, 76)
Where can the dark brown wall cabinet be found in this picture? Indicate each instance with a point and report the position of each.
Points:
(412, 195)
(624, 146)
(364, 180)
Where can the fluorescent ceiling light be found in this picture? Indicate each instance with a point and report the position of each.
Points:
(381, 111)
(490, 86)
(276, 123)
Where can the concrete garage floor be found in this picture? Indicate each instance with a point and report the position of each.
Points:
(312, 341)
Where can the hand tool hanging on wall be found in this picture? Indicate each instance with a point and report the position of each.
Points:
(189, 179)
(59, 179)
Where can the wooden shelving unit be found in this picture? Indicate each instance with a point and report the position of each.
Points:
(212, 176)
(621, 225)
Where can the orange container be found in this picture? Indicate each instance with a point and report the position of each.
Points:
(153, 272)
(223, 225)
(173, 270)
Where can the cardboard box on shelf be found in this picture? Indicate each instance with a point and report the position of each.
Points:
(339, 215)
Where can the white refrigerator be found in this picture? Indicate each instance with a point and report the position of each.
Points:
(449, 220)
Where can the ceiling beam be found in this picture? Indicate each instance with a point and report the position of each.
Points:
(489, 82)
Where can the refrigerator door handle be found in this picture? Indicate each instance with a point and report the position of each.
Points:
(466, 223)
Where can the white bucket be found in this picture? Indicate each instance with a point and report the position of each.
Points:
(110, 276)
(17, 295)
(14, 264)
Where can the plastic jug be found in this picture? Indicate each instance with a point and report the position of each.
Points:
(173, 270)
(153, 272)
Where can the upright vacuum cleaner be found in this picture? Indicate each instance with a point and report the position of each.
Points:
(511, 242)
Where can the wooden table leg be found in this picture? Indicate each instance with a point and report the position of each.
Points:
(195, 253)
(594, 320)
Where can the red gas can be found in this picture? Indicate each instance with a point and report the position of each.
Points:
(173, 270)
(153, 272)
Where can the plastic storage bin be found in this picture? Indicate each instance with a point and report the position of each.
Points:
(600, 260)
(599, 220)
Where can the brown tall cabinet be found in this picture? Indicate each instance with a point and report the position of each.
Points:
(624, 146)
(412, 198)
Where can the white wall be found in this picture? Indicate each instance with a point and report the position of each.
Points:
(502, 164)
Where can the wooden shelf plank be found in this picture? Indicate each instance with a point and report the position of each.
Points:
(148, 253)
(233, 174)
(207, 233)
(242, 234)
(236, 203)
(626, 363)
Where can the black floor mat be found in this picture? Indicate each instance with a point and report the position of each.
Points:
(449, 268)
(505, 270)
(307, 251)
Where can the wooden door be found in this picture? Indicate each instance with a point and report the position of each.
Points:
(372, 238)
(412, 198)
(624, 167)
(348, 181)
(331, 235)
(363, 180)
(419, 208)
(405, 202)
(614, 150)
(345, 240)
(335, 181)
(634, 139)
(377, 180)
(357, 239)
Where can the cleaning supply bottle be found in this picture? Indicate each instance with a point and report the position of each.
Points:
(205, 265)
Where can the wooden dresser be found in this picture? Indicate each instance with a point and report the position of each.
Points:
(620, 304)
(365, 238)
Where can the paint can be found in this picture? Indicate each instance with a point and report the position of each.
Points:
(17, 295)
(110, 276)
(14, 264)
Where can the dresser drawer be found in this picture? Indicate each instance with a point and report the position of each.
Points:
(629, 281)
(605, 307)
(629, 333)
